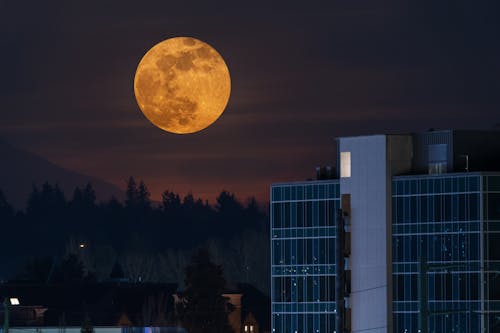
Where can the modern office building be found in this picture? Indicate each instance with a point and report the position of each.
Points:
(303, 256)
(405, 239)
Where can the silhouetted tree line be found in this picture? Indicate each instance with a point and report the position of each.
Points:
(150, 241)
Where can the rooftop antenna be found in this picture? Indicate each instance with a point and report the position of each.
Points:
(466, 161)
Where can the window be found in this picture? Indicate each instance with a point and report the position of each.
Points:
(437, 158)
(345, 164)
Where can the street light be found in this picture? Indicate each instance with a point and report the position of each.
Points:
(6, 303)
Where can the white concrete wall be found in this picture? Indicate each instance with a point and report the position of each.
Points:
(370, 261)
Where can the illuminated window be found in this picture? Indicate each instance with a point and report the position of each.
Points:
(14, 301)
(345, 164)
(251, 328)
(246, 328)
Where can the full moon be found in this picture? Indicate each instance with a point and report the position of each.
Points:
(182, 85)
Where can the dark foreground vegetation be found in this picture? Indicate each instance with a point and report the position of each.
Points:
(55, 237)
(204, 306)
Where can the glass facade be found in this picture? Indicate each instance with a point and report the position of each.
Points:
(303, 218)
(451, 223)
(491, 231)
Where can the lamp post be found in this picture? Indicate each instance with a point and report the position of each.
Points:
(5, 315)
(6, 302)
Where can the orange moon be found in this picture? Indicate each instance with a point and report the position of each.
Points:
(182, 85)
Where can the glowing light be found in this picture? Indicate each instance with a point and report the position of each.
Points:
(182, 85)
(345, 164)
(14, 301)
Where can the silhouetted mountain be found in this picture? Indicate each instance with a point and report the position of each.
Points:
(20, 169)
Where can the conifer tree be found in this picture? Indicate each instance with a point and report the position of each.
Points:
(206, 310)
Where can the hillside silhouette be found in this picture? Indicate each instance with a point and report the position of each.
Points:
(20, 169)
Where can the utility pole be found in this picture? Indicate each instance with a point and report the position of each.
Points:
(6, 315)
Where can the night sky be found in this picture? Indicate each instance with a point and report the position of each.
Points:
(303, 73)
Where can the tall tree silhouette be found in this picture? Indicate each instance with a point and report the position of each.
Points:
(6, 210)
(49, 200)
(227, 203)
(82, 211)
(171, 202)
(84, 198)
(230, 213)
(143, 196)
(254, 218)
(131, 193)
(138, 198)
(206, 309)
(47, 219)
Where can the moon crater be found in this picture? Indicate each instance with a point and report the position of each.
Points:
(182, 85)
